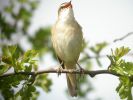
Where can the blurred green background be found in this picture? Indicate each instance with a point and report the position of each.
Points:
(20, 27)
(15, 20)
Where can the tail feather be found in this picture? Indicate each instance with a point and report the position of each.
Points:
(71, 80)
(72, 84)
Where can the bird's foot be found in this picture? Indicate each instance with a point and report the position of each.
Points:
(59, 70)
(81, 69)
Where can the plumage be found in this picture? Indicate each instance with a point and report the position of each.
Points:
(67, 41)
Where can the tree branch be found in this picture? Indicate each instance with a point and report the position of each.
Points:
(122, 38)
(51, 70)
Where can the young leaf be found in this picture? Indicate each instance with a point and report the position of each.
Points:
(124, 88)
(30, 54)
(124, 69)
(7, 60)
(120, 52)
(3, 69)
(12, 49)
(98, 48)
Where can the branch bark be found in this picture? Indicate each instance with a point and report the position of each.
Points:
(52, 70)
(122, 38)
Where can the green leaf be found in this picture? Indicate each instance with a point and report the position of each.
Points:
(97, 50)
(3, 69)
(9, 50)
(28, 55)
(26, 92)
(41, 41)
(5, 51)
(34, 4)
(83, 82)
(18, 53)
(44, 82)
(128, 68)
(122, 67)
(31, 88)
(8, 83)
(24, 14)
(7, 60)
(124, 88)
(8, 9)
(120, 52)
(98, 62)
(22, 1)
(28, 68)
(12, 49)
(119, 65)
(19, 66)
(98, 47)
(12, 56)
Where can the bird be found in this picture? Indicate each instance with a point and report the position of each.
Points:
(67, 40)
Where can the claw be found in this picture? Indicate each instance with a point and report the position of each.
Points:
(59, 69)
(81, 69)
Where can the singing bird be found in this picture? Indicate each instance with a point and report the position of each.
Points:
(67, 39)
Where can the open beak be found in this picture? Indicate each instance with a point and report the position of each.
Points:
(68, 5)
(70, 1)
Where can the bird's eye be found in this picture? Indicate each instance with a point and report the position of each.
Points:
(62, 7)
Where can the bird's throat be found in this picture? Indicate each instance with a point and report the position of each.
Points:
(66, 15)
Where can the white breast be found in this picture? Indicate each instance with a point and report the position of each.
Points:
(67, 42)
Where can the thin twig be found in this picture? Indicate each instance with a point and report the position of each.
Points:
(122, 38)
(51, 70)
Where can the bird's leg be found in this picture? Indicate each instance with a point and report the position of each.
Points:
(80, 68)
(59, 69)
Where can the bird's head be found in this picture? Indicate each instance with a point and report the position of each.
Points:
(65, 11)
